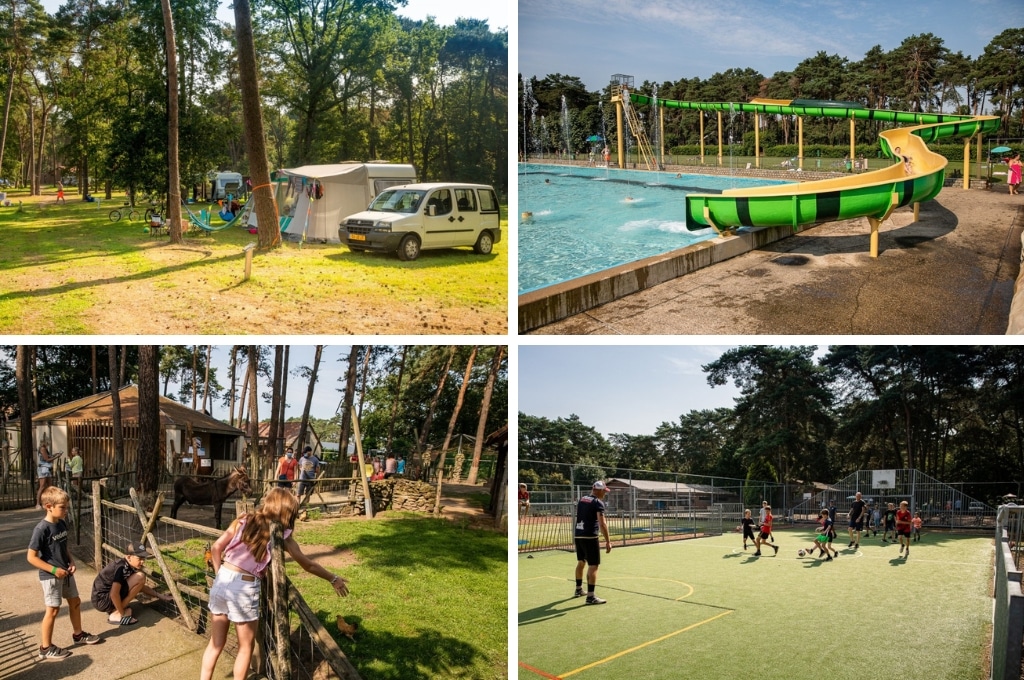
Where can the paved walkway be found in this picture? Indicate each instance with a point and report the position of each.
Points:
(156, 647)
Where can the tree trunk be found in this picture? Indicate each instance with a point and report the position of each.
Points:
(263, 193)
(173, 170)
(284, 402)
(232, 370)
(95, 372)
(275, 401)
(421, 445)
(23, 371)
(115, 403)
(485, 406)
(195, 371)
(398, 399)
(346, 408)
(7, 107)
(253, 430)
(451, 428)
(309, 401)
(147, 473)
(362, 389)
(206, 377)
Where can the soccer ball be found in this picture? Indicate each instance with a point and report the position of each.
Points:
(801, 552)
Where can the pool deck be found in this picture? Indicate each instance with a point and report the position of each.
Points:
(950, 273)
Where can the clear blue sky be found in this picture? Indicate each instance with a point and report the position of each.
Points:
(619, 389)
(444, 12)
(674, 39)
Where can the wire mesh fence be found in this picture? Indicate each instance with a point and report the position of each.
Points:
(293, 645)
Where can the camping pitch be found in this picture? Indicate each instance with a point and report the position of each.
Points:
(318, 197)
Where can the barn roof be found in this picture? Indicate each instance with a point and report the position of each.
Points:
(100, 407)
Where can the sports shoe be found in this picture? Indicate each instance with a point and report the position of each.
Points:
(85, 638)
(776, 549)
(579, 593)
(907, 554)
(757, 554)
(850, 544)
(828, 559)
(53, 653)
(595, 600)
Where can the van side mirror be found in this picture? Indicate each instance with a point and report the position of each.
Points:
(432, 210)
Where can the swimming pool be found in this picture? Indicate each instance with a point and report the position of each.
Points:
(586, 220)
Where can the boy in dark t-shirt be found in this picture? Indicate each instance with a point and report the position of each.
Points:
(119, 582)
(48, 552)
(589, 520)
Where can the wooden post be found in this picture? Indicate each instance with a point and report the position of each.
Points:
(279, 605)
(154, 548)
(440, 477)
(248, 260)
(500, 504)
(362, 464)
(97, 520)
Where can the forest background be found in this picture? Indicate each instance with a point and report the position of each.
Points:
(920, 75)
(953, 412)
(85, 92)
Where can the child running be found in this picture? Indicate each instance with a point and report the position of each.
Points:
(240, 558)
(748, 529)
(890, 523)
(824, 538)
(917, 522)
(766, 531)
(903, 524)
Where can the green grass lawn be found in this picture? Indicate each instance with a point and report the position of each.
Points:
(70, 270)
(706, 609)
(430, 596)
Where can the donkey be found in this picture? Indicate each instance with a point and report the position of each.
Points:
(209, 491)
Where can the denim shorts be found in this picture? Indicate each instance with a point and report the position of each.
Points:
(238, 598)
(56, 590)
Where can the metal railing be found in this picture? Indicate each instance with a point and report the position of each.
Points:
(1008, 609)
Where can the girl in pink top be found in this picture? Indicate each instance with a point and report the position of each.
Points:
(240, 557)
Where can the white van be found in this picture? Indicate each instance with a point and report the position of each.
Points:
(224, 183)
(414, 217)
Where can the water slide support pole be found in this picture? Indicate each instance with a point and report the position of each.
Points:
(875, 222)
(853, 143)
(757, 140)
(719, 139)
(621, 141)
(967, 163)
(800, 141)
(701, 114)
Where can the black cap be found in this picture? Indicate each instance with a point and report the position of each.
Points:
(137, 549)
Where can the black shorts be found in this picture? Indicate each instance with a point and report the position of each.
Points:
(765, 535)
(903, 532)
(102, 602)
(748, 533)
(858, 525)
(588, 550)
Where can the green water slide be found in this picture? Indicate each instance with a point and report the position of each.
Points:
(872, 194)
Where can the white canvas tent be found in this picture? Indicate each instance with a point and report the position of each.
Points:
(347, 188)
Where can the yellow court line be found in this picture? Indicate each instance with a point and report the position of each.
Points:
(641, 646)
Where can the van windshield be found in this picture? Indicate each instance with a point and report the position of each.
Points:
(397, 200)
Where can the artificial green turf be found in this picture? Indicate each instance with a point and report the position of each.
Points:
(869, 614)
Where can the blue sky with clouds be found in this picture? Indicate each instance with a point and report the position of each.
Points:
(674, 39)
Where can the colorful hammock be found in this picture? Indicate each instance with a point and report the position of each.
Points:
(243, 214)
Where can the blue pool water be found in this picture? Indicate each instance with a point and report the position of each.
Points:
(586, 220)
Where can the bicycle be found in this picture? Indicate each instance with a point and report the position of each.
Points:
(126, 210)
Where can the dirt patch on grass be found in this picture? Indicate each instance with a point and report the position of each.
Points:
(329, 557)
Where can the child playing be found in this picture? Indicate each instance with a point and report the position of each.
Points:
(748, 529)
(766, 531)
(48, 552)
(823, 540)
(240, 558)
(903, 524)
(890, 523)
(119, 583)
(917, 522)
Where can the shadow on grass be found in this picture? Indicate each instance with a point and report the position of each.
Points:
(443, 257)
(383, 655)
(546, 612)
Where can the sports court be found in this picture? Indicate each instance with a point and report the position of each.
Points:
(704, 608)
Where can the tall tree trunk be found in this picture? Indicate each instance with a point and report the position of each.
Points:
(362, 389)
(421, 445)
(124, 365)
(284, 401)
(232, 369)
(206, 377)
(346, 408)
(23, 377)
(11, 68)
(195, 371)
(255, 141)
(253, 429)
(485, 406)
(147, 471)
(173, 170)
(398, 399)
(309, 400)
(451, 428)
(115, 398)
(95, 372)
(275, 402)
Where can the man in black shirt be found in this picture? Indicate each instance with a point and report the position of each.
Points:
(590, 518)
(857, 512)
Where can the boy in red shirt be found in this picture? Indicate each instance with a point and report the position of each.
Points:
(766, 530)
(903, 525)
(524, 501)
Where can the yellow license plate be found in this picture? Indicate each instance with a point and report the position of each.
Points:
(356, 237)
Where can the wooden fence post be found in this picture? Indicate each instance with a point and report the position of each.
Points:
(154, 547)
(97, 520)
(279, 605)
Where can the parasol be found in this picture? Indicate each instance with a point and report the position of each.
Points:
(1001, 149)
(599, 138)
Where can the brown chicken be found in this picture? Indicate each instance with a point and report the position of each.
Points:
(347, 629)
(209, 557)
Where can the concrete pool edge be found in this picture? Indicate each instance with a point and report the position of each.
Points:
(546, 305)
